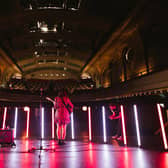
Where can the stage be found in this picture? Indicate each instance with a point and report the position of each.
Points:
(78, 154)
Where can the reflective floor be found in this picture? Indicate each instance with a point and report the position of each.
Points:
(46, 154)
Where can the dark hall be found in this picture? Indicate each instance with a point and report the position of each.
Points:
(83, 84)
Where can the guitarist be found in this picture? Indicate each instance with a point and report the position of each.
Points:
(63, 107)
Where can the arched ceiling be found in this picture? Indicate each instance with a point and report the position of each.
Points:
(54, 39)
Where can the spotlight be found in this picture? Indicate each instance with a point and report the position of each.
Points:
(84, 108)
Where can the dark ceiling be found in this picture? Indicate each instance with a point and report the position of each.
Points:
(54, 39)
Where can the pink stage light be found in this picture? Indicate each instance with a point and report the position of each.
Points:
(4, 118)
(15, 122)
(72, 126)
(42, 123)
(90, 129)
(162, 126)
(123, 124)
(137, 125)
(27, 109)
(53, 123)
(104, 124)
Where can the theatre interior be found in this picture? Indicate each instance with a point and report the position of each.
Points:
(110, 56)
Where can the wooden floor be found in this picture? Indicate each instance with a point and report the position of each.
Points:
(75, 154)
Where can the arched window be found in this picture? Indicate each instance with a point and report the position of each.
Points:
(127, 54)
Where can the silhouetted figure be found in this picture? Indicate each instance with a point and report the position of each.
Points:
(115, 116)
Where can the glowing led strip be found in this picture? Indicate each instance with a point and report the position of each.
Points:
(53, 123)
(90, 129)
(27, 109)
(15, 122)
(123, 124)
(4, 118)
(72, 126)
(104, 124)
(137, 125)
(162, 126)
(42, 123)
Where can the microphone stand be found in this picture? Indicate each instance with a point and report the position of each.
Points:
(41, 94)
(41, 139)
(41, 147)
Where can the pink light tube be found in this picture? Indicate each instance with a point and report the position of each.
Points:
(104, 124)
(4, 118)
(123, 124)
(53, 123)
(72, 126)
(137, 125)
(162, 126)
(42, 123)
(27, 109)
(15, 122)
(90, 129)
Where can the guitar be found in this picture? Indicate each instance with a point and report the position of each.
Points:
(51, 100)
(68, 107)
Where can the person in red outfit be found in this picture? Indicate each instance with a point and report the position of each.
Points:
(63, 107)
(116, 115)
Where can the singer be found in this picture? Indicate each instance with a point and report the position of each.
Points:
(64, 108)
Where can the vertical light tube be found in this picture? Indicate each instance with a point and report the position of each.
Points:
(123, 124)
(137, 125)
(162, 126)
(27, 109)
(53, 123)
(72, 126)
(15, 122)
(104, 124)
(4, 118)
(90, 129)
(42, 123)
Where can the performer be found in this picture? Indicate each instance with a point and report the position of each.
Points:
(114, 116)
(63, 107)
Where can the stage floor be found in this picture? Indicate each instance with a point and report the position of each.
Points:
(75, 154)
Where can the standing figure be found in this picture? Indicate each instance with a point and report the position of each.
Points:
(63, 107)
(115, 116)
